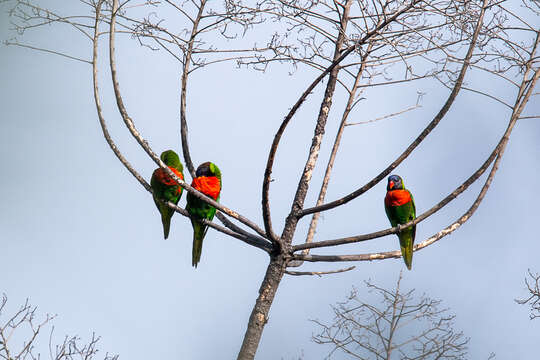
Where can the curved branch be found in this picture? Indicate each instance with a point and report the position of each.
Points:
(185, 73)
(275, 143)
(397, 254)
(419, 139)
(335, 147)
(354, 239)
(236, 232)
(522, 98)
(385, 116)
(16, 43)
(318, 133)
(318, 273)
(229, 224)
(99, 110)
(144, 144)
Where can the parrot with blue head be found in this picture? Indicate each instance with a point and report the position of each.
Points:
(400, 209)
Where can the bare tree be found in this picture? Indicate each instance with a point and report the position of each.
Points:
(20, 335)
(533, 300)
(357, 46)
(400, 325)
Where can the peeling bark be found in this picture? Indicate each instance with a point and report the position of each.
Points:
(259, 314)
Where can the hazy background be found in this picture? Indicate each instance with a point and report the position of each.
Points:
(81, 238)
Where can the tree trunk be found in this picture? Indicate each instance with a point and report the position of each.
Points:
(259, 314)
(277, 266)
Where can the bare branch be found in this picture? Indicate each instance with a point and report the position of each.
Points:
(291, 223)
(533, 300)
(16, 43)
(496, 155)
(250, 239)
(333, 154)
(22, 345)
(185, 73)
(144, 144)
(420, 137)
(401, 323)
(319, 273)
(360, 46)
(303, 184)
(386, 116)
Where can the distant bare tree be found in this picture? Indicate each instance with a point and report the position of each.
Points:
(533, 286)
(400, 326)
(20, 334)
(357, 45)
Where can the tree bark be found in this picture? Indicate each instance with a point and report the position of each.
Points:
(259, 314)
(277, 266)
(303, 185)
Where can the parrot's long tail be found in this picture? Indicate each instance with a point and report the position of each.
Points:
(406, 242)
(166, 215)
(199, 230)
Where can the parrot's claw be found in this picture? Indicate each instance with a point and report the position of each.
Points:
(399, 228)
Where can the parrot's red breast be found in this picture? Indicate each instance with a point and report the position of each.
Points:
(397, 197)
(208, 185)
(165, 179)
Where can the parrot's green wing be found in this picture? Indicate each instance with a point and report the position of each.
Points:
(201, 210)
(166, 193)
(164, 190)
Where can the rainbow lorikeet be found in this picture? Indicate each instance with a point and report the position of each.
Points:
(166, 189)
(400, 209)
(207, 181)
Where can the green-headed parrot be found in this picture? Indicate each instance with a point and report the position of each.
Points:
(207, 181)
(400, 209)
(165, 188)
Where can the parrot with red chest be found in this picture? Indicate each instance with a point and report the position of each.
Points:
(166, 189)
(400, 209)
(207, 181)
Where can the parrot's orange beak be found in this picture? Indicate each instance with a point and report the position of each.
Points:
(391, 184)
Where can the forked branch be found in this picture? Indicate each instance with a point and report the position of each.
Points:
(144, 144)
(436, 120)
(533, 286)
(244, 236)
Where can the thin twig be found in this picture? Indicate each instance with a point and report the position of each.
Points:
(9, 43)
(144, 144)
(244, 237)
(385, 117)
(419, 139)
(498, 152)
(318, 273)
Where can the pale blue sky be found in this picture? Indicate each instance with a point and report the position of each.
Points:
(80, 237)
